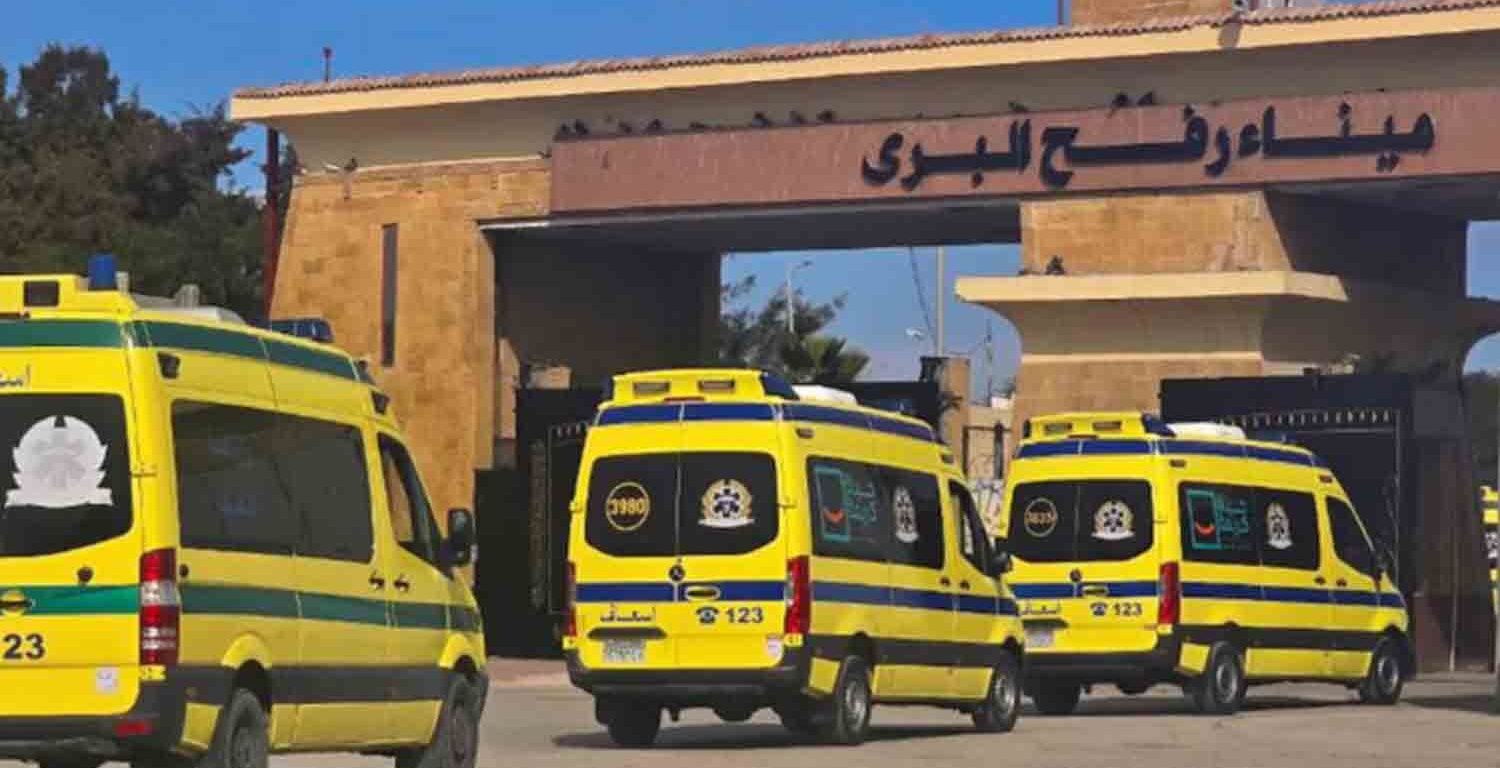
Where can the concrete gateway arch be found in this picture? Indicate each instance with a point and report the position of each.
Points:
(1216, 193)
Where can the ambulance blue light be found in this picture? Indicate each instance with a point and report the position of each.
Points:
(310, 328)
(102, 272)
(776, 386)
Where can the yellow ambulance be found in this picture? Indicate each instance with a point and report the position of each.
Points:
(737, 546)
(1146, 553)
(1490, 503)
(213, 546)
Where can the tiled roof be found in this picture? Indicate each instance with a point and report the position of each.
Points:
(782, 53)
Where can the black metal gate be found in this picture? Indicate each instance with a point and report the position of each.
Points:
(1360, 424)
(524, 522)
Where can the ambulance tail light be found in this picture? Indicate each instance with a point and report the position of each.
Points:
(570, 606)
(1169, 589)
(798, 596)
(160, 608)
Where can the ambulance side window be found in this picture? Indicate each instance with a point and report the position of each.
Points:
(1219, 524)
(322, 467)
(973, 539)
(916, 518)
(411, 514)
(850, 516)
(1349, 540)
(229, 495)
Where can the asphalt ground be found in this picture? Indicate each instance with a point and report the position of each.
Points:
(534, 720)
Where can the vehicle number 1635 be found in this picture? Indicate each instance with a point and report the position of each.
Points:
(14, 647)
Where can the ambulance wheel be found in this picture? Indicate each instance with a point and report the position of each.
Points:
(634, 726)
(1383, 683)
(1221, 688)
(1057, 698)
(1002, 701)
(455, 738)
(849, 711)
(241, 739)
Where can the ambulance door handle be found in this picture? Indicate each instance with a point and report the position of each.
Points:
(402, 585)
(1320, 581)
(1341, 583)
(377, 581)
(963, 585)
(945, 581)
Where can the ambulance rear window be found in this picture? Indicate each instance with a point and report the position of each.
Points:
(669, 504)
(1080, 521)
(66, 482)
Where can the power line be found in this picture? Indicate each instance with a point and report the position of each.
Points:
(916, 278)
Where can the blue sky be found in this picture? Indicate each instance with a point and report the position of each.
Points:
(182, 54)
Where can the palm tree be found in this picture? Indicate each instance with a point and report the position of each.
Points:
(827, 360)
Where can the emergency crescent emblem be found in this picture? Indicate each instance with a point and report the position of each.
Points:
(1278, 527)
(726, 504)
(1040, 517)
(905, 513)
(59, 464)
(627, 507)
(1113, 521)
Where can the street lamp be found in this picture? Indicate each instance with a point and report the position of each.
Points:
(791, 308)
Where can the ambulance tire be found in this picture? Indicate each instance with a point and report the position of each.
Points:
(1056, 698)
(455, 738)
(1220, 690)
(1002, 701)
(634, 726)
(1383, 683)
(242, 738)
(848, 721)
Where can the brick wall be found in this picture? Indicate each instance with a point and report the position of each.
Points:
(595, 309)
(1118, 11)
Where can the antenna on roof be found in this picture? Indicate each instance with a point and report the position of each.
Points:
(327, 63)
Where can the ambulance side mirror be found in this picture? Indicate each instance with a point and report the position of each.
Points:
(1383, 568)
(1000, 563)
(459, 546)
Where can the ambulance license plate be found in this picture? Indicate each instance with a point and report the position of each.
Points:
(624, 651)
(1039, 637)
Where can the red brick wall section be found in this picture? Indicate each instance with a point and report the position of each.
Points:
(1123, 11)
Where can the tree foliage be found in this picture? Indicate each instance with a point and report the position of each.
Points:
(757, 337)
(85, 168)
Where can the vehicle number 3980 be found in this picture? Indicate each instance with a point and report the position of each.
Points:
(15, 647)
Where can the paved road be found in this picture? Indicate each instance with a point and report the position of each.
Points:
(1444, 722)
(536, 721)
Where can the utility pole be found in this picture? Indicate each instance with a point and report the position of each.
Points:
(791, 296)
(941, 342)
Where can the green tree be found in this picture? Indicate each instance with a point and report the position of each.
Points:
(757, 337)
(85, 169)
(823, 360)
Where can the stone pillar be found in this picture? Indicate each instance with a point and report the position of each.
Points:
(1124, 291)
(331, 267)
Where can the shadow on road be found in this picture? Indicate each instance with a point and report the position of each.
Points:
(1148, 706)
(1479, 704)
(742, 737)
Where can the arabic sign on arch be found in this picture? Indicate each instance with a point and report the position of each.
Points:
(1352, 137)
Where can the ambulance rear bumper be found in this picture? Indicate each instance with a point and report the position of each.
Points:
(1156, 665)
(695, 687)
